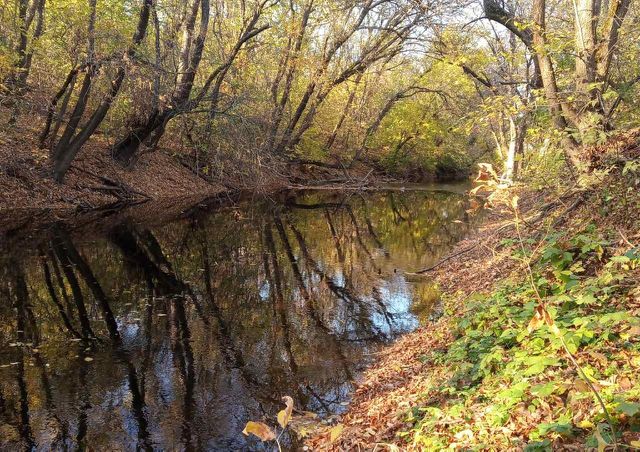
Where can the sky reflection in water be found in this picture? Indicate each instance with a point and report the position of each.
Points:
(174, 336)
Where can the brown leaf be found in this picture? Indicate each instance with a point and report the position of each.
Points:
(581, 386)
(540, 317)
(634, 331)
(284, 416)
(260, 430)
(625, 383)
(537, 320)
(486, 172)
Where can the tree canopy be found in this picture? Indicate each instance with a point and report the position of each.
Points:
(411, 87)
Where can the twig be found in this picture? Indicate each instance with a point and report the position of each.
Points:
(442, 261)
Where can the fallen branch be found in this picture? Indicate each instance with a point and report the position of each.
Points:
(118, 189)
(442, 261)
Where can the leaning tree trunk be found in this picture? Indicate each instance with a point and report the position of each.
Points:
(69, 145)
(153, 128)
(190, 56)
(67, 87)
(559, 111)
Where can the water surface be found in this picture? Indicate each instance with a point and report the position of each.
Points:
(137, 333)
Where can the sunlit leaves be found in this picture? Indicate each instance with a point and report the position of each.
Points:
(284, 416)
(541, 317)
(263, 431)
(259, 429)
(335, 432)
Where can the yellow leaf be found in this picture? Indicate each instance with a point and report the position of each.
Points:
(260, 430)
(514, 202)
(635, 444)
(585, 424)
(336, 432)
(284, 416)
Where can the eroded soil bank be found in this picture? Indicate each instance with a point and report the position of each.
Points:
(94, 179)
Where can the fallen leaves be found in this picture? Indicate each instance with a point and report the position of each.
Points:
(335, 432)
(259, 429)
(284, 416)
(263, 431)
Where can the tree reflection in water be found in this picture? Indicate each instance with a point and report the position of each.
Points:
(174, 336)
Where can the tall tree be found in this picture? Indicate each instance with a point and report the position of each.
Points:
(595, 43)
(71, 142)
(181, 101)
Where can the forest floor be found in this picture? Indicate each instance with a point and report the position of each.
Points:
(541, 318)
(94, 179)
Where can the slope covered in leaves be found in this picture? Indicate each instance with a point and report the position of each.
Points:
(499, 372)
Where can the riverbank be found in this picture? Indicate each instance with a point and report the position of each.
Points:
(94, 180)
(511, 365)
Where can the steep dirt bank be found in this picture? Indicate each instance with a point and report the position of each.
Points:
(449, 383)
(94, 180)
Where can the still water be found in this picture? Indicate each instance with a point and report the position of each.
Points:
(135, 333)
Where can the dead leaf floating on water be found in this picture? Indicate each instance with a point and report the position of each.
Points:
(260, 430)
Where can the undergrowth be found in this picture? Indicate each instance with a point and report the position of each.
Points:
(502, 384)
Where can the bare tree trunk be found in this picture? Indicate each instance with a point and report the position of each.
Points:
(67, 149)
(156, 78)
(345, 113)
(153, 128)
(67, 87)
(278, 110)
(585, 38)
(16, 82)
(190, 56)
(38, 6)
(62, 113)
(557, 109)
(375, 125)
(509, 166)
(21, 48)
(616, 13)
